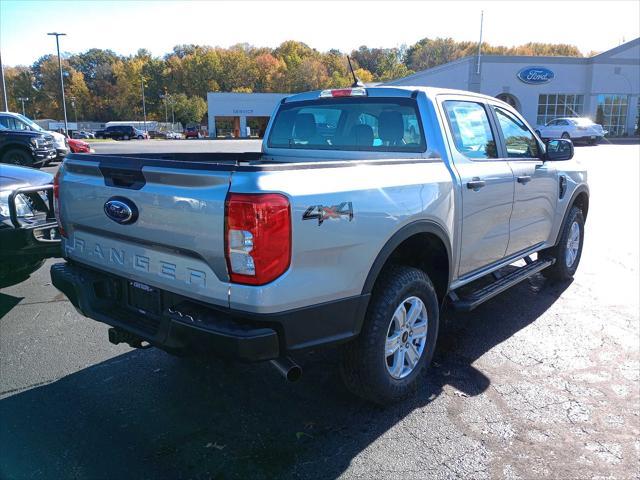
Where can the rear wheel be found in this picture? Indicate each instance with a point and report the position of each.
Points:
(566, 136)
(568, 251)
(17, 156)
(126, 137)
(398, 338)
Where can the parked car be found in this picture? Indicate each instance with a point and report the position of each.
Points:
(157, 134)
(26, 147)
(192, 132)
(78, 146)
(28, 229)
(121, 132)
(574, 128)
(174, 136)
(15, 121)
(358, 236)
(82, 134)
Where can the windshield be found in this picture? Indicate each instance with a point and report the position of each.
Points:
(31, 123)
(369, 124)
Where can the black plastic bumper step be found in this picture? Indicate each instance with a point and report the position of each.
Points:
(475, 298)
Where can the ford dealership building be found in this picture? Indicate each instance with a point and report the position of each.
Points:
(604, 87)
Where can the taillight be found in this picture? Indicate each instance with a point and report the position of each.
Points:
(257, 237)
(56, 203)
(344, 92)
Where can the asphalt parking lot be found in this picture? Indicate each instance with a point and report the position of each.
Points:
(540, 382)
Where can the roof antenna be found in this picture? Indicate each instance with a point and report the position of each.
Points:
(356, 81)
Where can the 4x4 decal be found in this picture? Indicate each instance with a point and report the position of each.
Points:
(322, 213)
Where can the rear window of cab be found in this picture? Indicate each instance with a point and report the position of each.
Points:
(360, 124)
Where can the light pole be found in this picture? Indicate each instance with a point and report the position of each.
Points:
(23, 99)
(64, 106)
(144, 107)
(4, 86)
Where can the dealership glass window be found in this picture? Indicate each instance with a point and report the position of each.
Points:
(612, 114)
(557, 105)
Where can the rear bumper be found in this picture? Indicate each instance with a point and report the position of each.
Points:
(181, 323)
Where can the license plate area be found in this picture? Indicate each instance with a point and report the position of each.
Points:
(144, 298)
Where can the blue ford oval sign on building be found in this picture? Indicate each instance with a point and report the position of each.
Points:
(535, 75)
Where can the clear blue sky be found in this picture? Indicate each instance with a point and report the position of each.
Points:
(159, 25)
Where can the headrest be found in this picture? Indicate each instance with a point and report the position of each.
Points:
(305, 126)
(362, 135)
(390, 126)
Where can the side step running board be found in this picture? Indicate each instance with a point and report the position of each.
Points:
(471, 301)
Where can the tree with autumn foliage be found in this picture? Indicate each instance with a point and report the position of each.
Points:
(107, 86)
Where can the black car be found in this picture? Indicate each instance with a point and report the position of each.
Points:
(120, 132)
(28, 228)
(25, 147)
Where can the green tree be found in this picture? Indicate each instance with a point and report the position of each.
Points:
(188, 109)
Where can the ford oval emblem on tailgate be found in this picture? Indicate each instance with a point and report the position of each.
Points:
(121, 210)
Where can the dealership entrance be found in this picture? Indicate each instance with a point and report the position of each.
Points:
(240, 115)
(510, 99)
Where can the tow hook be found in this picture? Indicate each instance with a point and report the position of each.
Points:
(286, 367)
(118, 336)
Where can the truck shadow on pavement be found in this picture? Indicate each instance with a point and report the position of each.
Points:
(145, 414)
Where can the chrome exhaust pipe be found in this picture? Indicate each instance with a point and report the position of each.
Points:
(289, 369)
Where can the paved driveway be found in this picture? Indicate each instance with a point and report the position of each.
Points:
(543, 381)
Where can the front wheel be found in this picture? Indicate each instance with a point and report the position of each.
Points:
(398, 338)
(17, 156)
(566, 136)
(568, 251)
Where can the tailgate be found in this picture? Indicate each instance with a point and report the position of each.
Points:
(176, 240)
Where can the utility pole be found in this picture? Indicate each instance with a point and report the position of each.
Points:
(64, 106)
(144, 106)
(23, 99)
(480, 42)
(4, 86)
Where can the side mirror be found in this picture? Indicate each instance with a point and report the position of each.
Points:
(559, 149)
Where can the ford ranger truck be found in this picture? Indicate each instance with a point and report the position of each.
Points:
(365, 212)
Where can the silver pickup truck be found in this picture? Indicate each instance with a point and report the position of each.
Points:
(367, 210)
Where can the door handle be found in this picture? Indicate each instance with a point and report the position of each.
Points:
(524, 179)
(476, 184)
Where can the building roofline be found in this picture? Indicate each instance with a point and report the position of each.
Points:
(618, 49)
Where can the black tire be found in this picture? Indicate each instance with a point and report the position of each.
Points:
(560, 270)
(140, 137)
(17, 271)
(566, 136)
(364, 364)
(18, 156)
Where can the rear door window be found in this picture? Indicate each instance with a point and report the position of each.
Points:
(370, 124)
(470, 128)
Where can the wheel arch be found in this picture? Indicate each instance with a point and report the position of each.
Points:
(422, 244)
(579, 198)
(15, 146)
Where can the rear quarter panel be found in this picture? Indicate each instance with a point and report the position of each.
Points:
(331, 260)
